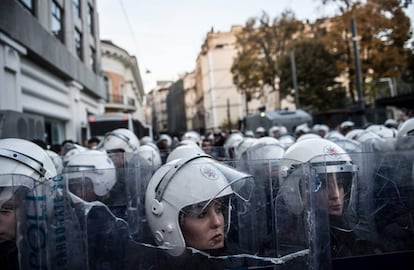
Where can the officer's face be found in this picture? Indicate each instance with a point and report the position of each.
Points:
(335, 192)
(118, 157)
(8, 212)
(83, 188)
(205, 229)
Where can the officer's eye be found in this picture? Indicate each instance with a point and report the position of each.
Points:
(7, 208)
(202, 214)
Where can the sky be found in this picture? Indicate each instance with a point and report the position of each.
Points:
(166, 35)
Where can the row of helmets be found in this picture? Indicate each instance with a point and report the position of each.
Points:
(26, 165)
(168, 187)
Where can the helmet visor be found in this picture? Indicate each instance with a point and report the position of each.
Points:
(241, 183)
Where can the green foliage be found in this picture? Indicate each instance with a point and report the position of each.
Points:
(316, 77)
(383, 30)
(260, 43)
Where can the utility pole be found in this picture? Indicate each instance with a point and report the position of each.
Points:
(294, 78)
(357, 65)
(228, 114)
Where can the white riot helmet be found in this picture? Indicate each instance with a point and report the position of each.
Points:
(391, 123)
(165, 140)
(306, 150)
(406, 128)
(286, 140)
(308, 136)
(272, 130)
(93, 165)
(232, 141)
(283, 130)
(197, 180)
(352, 135)
(150, 153)
(260, 131)
(350, 146)
(323, 156)
(57, 160)
(321, 129)
(267, 140)
(362, 136)
(249, 133)
(302, 129)
(187, 142)
(346, 125)
(382, 131)
(192, 136)
(71, 149)
(264, 148)
(184, 151)
(22, 157)
(334, 135)
(120, 139)
(242, 146)
(145, 140)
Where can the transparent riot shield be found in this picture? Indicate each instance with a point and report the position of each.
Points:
(386, 197)
(218, 152)
(47, 233)
(300, 223)
(105, 236)
(349, 145)
(250, 229)
(369, 200)
(257, 215)
(121, 188)
(137, 175)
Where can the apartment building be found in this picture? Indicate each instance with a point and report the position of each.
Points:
(123, 83)
(156, 113)
(191, 100)
(223, 104)
(50, 64)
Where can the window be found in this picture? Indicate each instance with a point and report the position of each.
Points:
(92, 58)
(90, 20)
(76, 8)
(107, 87)
(78, 43)
(57, 19)
(28, 4)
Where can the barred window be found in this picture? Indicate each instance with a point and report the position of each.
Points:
(57, 19)
(91, 24)
(92, 58)
(76, 8)
(28, 4)
(78, 43)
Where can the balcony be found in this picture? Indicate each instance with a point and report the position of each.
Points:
(120, 103)
(394, 93)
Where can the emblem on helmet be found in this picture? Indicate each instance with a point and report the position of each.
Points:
(209, 172)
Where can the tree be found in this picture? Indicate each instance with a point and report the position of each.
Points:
(259, 45)
(383, 30)
(316, 76)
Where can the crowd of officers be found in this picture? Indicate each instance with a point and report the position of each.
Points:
(311, 198)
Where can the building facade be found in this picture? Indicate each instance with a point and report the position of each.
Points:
(156, 103)
(176, 109)
(50, 64)
(123, 83)
(224, 106)
(191, 100)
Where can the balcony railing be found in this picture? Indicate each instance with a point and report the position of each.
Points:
(387, 88)
(121, 102)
